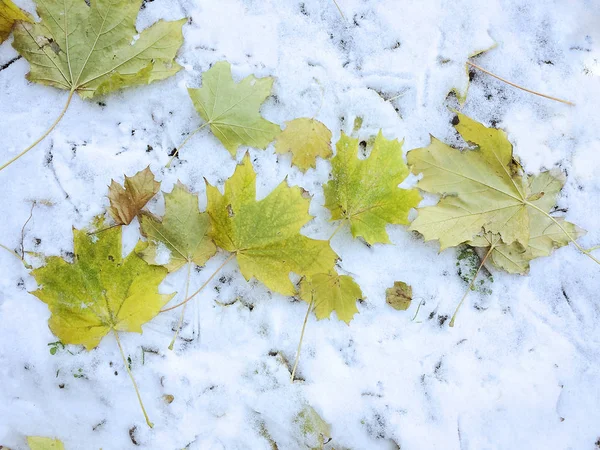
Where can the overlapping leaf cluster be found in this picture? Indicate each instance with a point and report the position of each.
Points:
(487, 201)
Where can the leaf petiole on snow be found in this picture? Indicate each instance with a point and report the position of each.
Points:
(310, 305)
(126, 362)
(187, 288)
(43, 136)
(189, 136)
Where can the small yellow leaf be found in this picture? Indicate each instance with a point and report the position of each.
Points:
(265, 235)
(9, 14)
(306, 139)
(331, 292)
(399, 296)
(126, 203)
(44, 443)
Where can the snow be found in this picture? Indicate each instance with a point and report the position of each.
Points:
(520, 369)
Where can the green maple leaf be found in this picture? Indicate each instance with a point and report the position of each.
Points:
(365, 193)
(545, 235)
(9, 14)
(331, 292)
(306, 139)
(100, 291)
(44, 443)
(183, 230)
(483, 188)
(265, 235)
(232, 109)
(96, 49)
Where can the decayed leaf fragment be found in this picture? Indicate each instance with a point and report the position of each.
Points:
(232, 109)
(9, 14)
(399, 296)
(96, 49)
(100, 291)
(544, 234)
(365, 192)
(44, 443)
(305, 139)
(183, 230)
(265, 235)
(331, 292)
(126, 203)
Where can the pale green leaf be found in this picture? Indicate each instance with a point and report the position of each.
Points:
(313, 429)
(331, 292)
(365, 192)
(305, 139)
(482, 188)
(183, 231)
(99, 291)
(265, 235)
(232, 109)
(96, 49)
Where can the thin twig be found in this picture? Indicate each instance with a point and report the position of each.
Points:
(310, 305)
(23, 230)
(187, 288)
(137, 391)
(519, 87)
(104, 229)
(41, 138)
(201, 287)
(339, 9)
(189, 136)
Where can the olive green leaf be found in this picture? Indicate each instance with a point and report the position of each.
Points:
(183, 231)
(545, 235)
(44, 443)
(126, 203)
(305, 139)
(399, 296)
(99, 291)
(265, 235)
(232, 109)
(313, 429)
(96, 49)
(365, 192)
(331, 292)
(482, 188)
(9, 14)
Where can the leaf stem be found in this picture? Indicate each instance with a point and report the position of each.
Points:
(189, 136)
(519, 87)
(579, 247)
(339, 9)
(312, 300)
(472, 283)
(150, 424)
(90, 233)
(201, 287)
(339, 227)
(187, 288)
(12, 252)
(43, 136)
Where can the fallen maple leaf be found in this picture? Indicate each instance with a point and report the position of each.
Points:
(96, 49)
(399, 296)
(44, 443)
(232, 109)
(331, 292)
(365, 193)
(183, 230)
(126, 203)
(265, 235)
(305, 139)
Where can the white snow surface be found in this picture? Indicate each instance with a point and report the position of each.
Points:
(519, 371)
